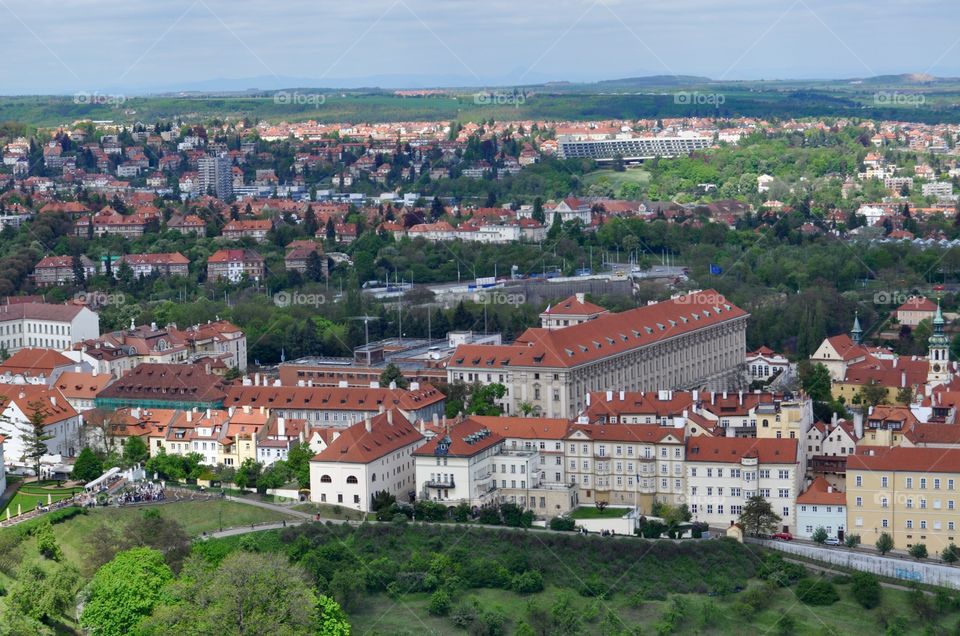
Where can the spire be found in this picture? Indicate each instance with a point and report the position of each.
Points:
(856, 334)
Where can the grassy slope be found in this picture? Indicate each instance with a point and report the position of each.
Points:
(617, 179)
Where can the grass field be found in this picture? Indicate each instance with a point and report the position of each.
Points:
(29, 495)
(617, 179)
(592, 512)
(328, 511)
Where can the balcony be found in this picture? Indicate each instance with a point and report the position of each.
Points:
(439, 484)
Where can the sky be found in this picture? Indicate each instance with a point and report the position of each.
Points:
(135, 46)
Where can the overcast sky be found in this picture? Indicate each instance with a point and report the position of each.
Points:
(62, 46)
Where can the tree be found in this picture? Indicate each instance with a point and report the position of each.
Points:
(905, 395)
(248, 473)
(884, 543)
(758, 517)
(79, 274)
(819, 535)
(436, 209)
(247, 594)
(919, 551)
(950, 554)
(537, 214)
(44, 594)
(125, 591)
(310, 224)
(815, 380)
(314, 271)
(382, 500)
(873, 393)
(135, 451)
(298, 461)
(866, 590)
(851, 540)
(331, 230)
(482, 400)
(88, 466)
(33, 434)
(392, 373)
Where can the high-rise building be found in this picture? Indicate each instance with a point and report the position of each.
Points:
(216, 176)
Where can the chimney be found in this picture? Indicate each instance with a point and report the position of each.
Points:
(53, 400)
(581, 297)
(76, 369)
(834, 419)
(609, 396)
(153, 326)
(342, 384)
(380, 408)
(190, 415)
(230, 411)
(390, 417)
(310, 383)
(135, 413)
(367, 424)
(713, 398)
(588, 398)
(261, 409)
(622, 395)
(414, 386)
(246, 409)
(696, 396)
(281, 427)
(422, 427)
(724, 395)
(300, 383)
(256, 379)
(393, 386)
(829, 489)
(741, 398)
(208, 413)
(903, 379)
(436, 420)
(374, 384)
(894, 363)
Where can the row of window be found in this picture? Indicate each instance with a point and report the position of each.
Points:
(908, 482)
(885, 523)
(736, 473)
(885, 503)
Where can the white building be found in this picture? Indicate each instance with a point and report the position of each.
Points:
(3, 469)
(723, 472)
(61, 422)
(373, 455)
(45, 325)
(764, 363)
(458, 466)
(821, 505)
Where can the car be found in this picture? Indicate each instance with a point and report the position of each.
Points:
(832, 541)
(783, 536)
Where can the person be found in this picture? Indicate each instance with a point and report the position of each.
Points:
(284, 523)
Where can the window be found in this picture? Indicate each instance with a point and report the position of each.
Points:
(351, 479)
(884, 482)
(859, 480)
(909, 482)
(325, 479)
(356, 499)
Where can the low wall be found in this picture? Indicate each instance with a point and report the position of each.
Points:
(891, 567)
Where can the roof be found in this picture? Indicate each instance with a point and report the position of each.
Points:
(906, 459)
(928, 433)
(918, 303)
(53, 405)
(640, 433)
(35, 362)
(332, 398)
(525, 427)
(574, 307)
(607, 335)
(389, 432)
(730, 450)
(82, 385)
(821, 492)
(466, 439)
(40, 311)
(172, 258)
(232, 256)
(174, 382)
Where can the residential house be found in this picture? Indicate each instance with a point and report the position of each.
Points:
(234, 265)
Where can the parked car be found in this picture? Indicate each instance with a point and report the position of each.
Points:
(783, 536)
(832, 541)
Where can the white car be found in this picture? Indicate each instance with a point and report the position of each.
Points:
(832, 541)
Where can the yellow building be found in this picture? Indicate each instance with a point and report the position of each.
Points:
(909, 493)
(887, 426)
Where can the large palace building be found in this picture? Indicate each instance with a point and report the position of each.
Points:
(693, 341)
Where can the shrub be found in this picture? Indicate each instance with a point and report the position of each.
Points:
(884, 543)
(528, 582)
(786, 625)
(439, 603)
(47, 543)
(866, 589)
(851, 540)
(919, 551)
(841, 579)
(594, 586)
(950, 554)
(564, 524)
(698, 528)
(921, 604)
(461, 513)
(817, 592)
(464, 614)
(819, 535)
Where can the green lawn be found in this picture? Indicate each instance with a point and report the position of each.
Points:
(617, 179)
(592, 512)
(196, 516)
(29, 495)
(329, 511)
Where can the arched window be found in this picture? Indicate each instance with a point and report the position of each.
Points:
(373, 477)
(351, 479)
(325, 479)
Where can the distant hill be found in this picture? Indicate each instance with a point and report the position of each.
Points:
(651, 81)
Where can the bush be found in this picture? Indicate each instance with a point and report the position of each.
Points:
(819, 535)
(439, 603)
(563, 524)
(594, 586)
(464, 614)
(489, 516)
(866, 589)
(786, 625)
(47, 543)
(841, 579)
(817, 592)
(698, 528)
(528, 582)
(950, 554)
(851, 540)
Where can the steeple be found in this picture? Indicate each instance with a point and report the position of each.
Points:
(856, 334)
(938, 351)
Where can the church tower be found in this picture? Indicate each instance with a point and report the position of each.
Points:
(938, 352)
(856, 334)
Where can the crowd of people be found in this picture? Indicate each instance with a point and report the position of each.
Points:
(142, 492)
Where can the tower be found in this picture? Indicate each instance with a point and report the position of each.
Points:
(938, 352)
(856, 334)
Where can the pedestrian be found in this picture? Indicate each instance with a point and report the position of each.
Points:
(284, 523)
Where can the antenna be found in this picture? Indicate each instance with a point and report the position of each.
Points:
(366, 329)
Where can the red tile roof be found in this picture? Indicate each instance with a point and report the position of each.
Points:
(906, 459)
(35, 362)
(525, 427)
(731, 450)
(821, 492)
(918, 303)
(359, 446)
(332, 398)
(51, 402)
(466, 439)
(641, 433)
(573, 307)
(607, 335)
